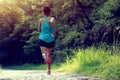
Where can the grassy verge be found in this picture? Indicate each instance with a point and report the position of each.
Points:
(98, 62)
(31, 67)
(27, 67)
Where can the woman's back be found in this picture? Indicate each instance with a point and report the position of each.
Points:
(46, 31)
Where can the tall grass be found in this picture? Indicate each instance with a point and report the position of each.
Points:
(27, 67)
(99, 62)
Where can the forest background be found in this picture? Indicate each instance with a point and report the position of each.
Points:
(81, 24)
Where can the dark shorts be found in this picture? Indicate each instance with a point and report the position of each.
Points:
(45, 44)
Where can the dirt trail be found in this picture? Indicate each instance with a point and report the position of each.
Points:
(39, 75)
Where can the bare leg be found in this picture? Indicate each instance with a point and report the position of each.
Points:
(49, 60)
(43, 50)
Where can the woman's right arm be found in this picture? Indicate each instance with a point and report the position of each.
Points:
(52, 23)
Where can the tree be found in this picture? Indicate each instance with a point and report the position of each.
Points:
(10, 16)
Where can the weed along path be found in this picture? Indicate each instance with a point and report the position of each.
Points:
(39, 75)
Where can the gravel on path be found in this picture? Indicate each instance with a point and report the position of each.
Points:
(7, 74)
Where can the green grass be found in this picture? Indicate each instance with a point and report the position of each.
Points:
(97, 62)
(27, 67)
(102, 62)
(31, 67)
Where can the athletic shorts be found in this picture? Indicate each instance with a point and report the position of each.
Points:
(45, 44)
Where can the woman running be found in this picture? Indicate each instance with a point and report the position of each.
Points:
(46, 36)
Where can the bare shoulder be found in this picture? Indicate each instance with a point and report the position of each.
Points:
(41, 20)
(51, 19)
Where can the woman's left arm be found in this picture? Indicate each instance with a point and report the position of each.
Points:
(39, 25)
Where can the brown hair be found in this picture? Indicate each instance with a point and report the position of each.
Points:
(46, 10)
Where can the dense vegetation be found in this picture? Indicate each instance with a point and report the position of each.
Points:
(80, 24)
(99, 62)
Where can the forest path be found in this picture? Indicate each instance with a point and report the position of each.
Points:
(8, 74)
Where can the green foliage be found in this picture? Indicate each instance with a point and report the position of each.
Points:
(19, 19)
(85, 11)
(106, 21)
(95, 61)
(71, 35)
(9, 17)
(110, 70)
(30, 67)
(32, 43)
(61, 55)
(12, 13)
(104, 12)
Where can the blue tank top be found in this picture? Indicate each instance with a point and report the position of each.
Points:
(46, 33)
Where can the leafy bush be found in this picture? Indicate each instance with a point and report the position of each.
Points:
(100, 62)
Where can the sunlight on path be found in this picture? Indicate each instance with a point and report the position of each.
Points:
(39, 75)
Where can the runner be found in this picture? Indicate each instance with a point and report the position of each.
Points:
(47, 36)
